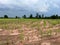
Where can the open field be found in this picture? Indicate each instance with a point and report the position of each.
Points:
(29, 31)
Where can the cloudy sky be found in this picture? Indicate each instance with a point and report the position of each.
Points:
(21, 7)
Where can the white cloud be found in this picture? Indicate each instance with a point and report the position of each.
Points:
(55, 3)
(4, 1)
(57, 6)
(36, 5)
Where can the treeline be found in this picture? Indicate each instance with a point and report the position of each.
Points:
(38, 16)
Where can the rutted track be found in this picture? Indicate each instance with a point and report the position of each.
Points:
(32, 36)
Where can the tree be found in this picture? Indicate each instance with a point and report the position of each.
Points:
(24, 16)
(57, 16)
(53, 17)
(16, 17)
(5, 16)
(37, 15)
(31, 16)
(42, 15)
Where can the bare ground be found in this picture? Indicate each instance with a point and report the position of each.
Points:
(31, 35)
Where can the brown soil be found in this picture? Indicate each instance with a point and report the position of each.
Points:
(31, 35)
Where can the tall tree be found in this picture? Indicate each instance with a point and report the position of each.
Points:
(57, 16)
(5, 16)
(37, 15)
(31, 16)
(24, 16)
(53, 17)
(42, 15)
(16, 17)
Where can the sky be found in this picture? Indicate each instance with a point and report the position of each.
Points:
(21, 7)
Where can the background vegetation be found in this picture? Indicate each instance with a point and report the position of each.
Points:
(38, 16)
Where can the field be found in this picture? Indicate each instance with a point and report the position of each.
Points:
(29, 31)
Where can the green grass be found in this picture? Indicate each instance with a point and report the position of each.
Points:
(46, 33)
(44, 23)
(17, 23)
(54, 22)
(21, 36)
(11, 24)
(58, 31)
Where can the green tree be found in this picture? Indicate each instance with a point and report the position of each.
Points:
(24, 16)
(16, 17)
(31, 16)
(53, 17)
(5, 16)
(42, 15)
(37, 15)
(57, 16)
